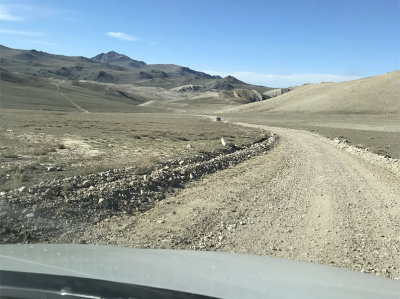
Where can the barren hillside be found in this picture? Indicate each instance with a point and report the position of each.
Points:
(379, 94)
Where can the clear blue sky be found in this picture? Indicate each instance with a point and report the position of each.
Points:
(273, 43)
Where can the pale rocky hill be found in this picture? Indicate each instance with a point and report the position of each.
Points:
(378, 94)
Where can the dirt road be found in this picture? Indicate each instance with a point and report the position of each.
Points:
(307, 199)
(68, 98)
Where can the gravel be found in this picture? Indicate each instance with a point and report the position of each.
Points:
(308, 199)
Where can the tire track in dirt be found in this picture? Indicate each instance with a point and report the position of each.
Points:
(68, 98)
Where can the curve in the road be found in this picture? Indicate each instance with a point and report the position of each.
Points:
(306, 200)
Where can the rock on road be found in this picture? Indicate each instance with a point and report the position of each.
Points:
(306, 199)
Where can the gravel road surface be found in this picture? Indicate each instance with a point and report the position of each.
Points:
(307, 199)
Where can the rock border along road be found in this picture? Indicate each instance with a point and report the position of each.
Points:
(69, 206)
(307, 199)
(72, 102)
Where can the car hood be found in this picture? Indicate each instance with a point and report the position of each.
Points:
(218, 274)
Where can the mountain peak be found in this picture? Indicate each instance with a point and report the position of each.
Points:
(109, 57)
(231, 79)
(113, 57)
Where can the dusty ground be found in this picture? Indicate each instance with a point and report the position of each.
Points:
(72, 144)
(378, 132)
(308, 199)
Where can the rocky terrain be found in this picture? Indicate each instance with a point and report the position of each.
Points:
(43, 212)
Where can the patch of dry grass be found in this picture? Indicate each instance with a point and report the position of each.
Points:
(94, 168)
(43, 149)
(15, 176)
(146, 163)
(9, 155)
(92, 143)
(15, 181)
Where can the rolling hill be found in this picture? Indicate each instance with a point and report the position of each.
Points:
(23, 91)
(378, 94)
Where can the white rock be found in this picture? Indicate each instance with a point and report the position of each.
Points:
(21, 189)
(226, 143)
(103, 202)
(86, 184)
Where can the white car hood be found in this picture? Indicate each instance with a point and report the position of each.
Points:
(217, 274)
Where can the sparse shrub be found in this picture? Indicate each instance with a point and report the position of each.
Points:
(67, 187)
(94, 168)
(10, 155)
(15, 181)
(23, 177)
(40, 151)
(43, 159)
(28, 167)
(44, 148)
(146, 163)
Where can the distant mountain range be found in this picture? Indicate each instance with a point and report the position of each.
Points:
(113, 67)
(31, 79)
